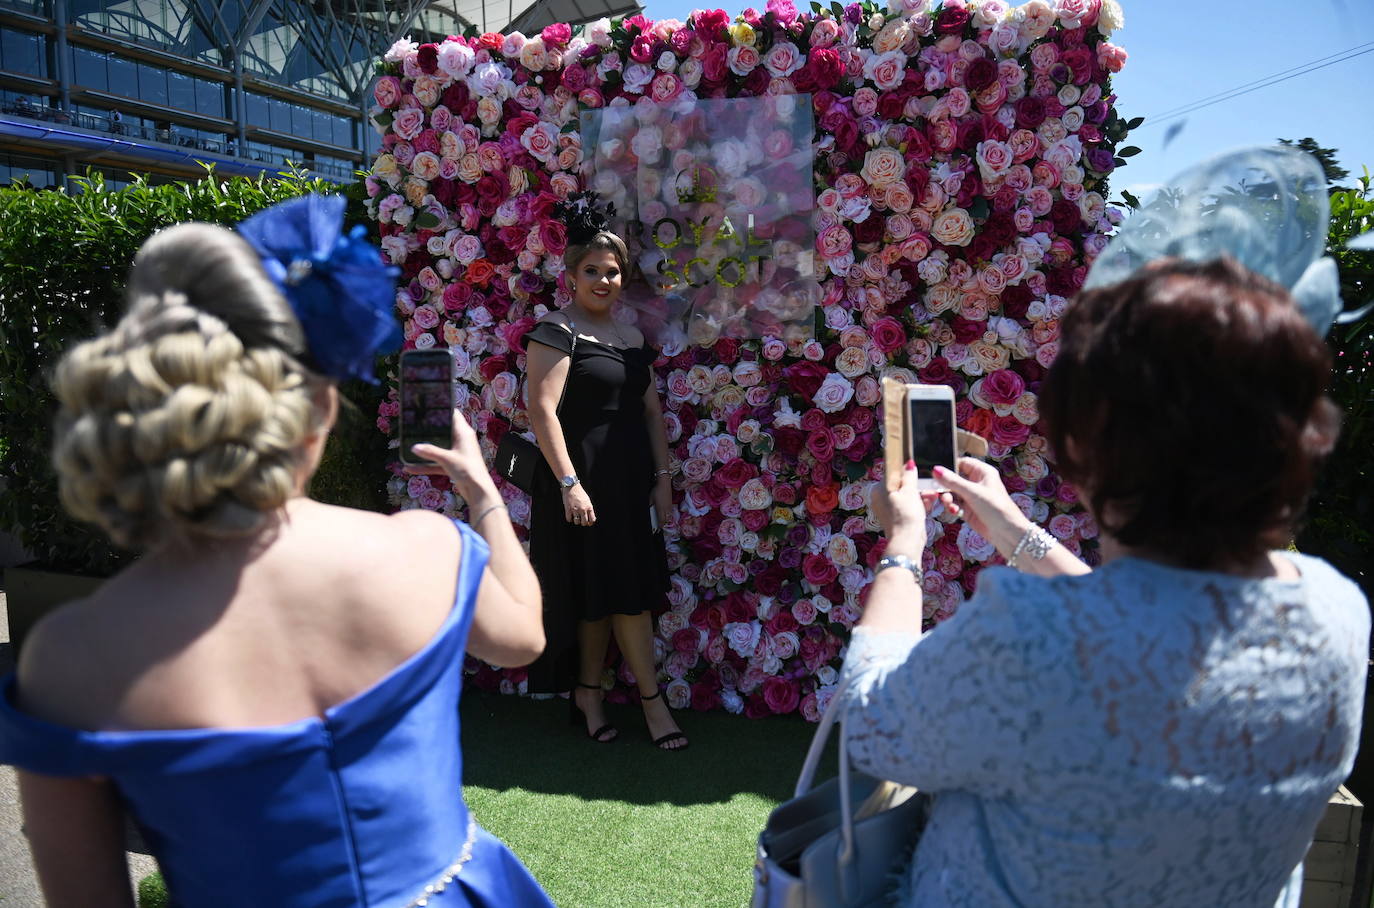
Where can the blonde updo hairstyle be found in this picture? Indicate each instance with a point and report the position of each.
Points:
(187, 420)
(602, 240)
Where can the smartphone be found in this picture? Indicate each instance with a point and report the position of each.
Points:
(928, 430)
(426, 390)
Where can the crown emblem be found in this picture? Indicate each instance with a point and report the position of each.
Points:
(698, 190)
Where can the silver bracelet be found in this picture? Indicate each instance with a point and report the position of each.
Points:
(1035, 542)
(663, 472)
(900, 561)
(480, 516)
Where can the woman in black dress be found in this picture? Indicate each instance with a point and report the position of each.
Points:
(593, 541)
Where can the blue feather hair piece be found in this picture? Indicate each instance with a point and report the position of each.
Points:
(342, 292)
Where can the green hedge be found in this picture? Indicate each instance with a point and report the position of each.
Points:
(1340, 519)
(63, 263)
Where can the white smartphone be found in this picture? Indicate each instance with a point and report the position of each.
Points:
(929, 430)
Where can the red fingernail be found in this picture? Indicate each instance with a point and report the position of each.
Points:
(910, 465)
(941, 471)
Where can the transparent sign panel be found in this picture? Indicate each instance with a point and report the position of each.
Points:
(715, 199)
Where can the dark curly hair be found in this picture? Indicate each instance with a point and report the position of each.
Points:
(1189, 405)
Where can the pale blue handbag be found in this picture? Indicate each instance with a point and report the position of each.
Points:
(841, 844)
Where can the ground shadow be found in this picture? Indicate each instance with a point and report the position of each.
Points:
(516, 742)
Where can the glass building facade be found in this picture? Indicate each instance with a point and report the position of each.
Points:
(163, 87)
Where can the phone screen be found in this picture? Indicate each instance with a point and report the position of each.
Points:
(930, 434)
(426, 400)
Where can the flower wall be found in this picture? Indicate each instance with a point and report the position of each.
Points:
(961, 155)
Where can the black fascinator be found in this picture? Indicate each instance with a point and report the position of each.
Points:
(584, 217)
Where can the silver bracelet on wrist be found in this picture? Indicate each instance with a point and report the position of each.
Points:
(482, 515)
(658, 473)
(1034, 543)
(901, 561)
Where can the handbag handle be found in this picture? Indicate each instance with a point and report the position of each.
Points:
(845, 861)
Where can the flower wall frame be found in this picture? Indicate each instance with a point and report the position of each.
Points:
(961, 156)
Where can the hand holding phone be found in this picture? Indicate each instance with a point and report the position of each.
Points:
(426, 391)
(919, 426)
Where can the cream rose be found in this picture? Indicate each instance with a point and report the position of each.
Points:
(953, 227)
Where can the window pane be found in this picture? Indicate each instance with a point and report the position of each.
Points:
(90, 68)
(258, 111)
(152, 84)
(181, 91)
(343, 132)
(210, 97)
(281, 116)
(123, 77)
(21, 52)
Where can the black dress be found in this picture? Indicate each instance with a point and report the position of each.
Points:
(618, 565)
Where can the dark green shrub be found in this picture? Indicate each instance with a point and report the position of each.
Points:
(1340, 523)
(63, 262)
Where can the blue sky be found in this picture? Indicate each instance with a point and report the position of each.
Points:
(1187, 50)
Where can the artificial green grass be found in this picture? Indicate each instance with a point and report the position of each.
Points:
(623, 825)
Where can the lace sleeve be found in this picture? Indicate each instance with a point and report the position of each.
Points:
(947, 710)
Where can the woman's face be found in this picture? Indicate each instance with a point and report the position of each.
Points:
(596, 281)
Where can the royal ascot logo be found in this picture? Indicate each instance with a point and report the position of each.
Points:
(704, 247)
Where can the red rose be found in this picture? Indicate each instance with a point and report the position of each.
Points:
(480, 272)
(980, 74)
(556, 35)
(951, 20)
(887, 335)
(739, 608)
(782, 622)
(966, 331)
(491, 41)
(687, 640)
(754, 520)
(785, 494)
(711, 23)
(716, 616)
(805, 378)
(456, 296)
(980, 422)
(1080, 62)
(704, 697)
(1030, 112)
(781, 695)
(1066, 217)
(736, 472)
(818, 570)
(428, 58)
(822, 498)
(821, 444)
(492, 366)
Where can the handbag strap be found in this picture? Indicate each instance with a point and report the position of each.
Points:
(845, 862)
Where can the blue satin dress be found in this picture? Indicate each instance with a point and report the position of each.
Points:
(360, 807)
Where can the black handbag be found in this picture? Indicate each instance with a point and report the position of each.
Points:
(517, 457)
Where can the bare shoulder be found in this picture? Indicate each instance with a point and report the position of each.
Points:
(62, 668)
(555, 317)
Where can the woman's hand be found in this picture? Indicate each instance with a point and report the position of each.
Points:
(577, 506)
(463, 462)
(977, 495)
(662, 499)
(902, 514)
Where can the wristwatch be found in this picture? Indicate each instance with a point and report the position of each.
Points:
(899, 561)
(569, 481)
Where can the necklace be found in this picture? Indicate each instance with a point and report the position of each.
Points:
(610, 326)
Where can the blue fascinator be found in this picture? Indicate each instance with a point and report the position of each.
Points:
(1266, 207)
(338, 286)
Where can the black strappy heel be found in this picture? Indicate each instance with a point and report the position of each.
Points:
(672, 736)
(603, 735)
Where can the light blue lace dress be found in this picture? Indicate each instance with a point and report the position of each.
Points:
(1138, 736)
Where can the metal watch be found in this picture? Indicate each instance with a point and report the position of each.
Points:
(569, 481)
(901, 561)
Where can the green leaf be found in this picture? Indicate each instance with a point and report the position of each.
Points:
(836, 10)
(1135, 123)
(979, 209)
(426, 220)
(1129, 151)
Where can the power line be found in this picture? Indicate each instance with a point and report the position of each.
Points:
(1265, 82)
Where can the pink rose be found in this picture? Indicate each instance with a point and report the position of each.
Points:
(782, 59)
(742, 59)
(665, 87)
(388, 91)
(408, 123)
